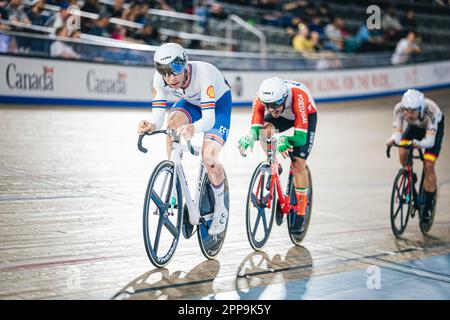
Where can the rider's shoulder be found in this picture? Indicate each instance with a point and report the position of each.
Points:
(298, 88)
(398, 107)
(431, 104)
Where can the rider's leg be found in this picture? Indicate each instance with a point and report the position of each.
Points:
(213, 143)
(403, 156)
(429, 182)
(216, 174)
(301, 184)
(210, 154)
(430, 176)
(175, 120)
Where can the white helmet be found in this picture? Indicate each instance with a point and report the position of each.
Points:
(273, 92)
(170, 58)
(413, 100)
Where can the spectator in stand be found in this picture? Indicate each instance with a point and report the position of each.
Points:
(202, 11)
(315, 40)
(149, 35)
(100, 27)
(292, 28)
(91, 6)
(268, 4)
(301, 42)
(116, 11)
(59, 18)
(405, 48)
(118, 32)
(391, 25)
(295, 8)
(216, 11)
(16, 13)
(3, 13)
(35, 13)
(408, 22)
(316, 26)
(333, 32)
(163, 5)
(132, 12)
(6, 41)
(324, 13)
(311, 11)
(142, 14)
(443, 3)
(61, 49)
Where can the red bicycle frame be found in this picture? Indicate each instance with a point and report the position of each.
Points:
(275, 185)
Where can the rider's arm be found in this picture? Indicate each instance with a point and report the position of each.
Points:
(430, 136)
(257, 118)
(428, 141)
(159, 103)
(397, 124)
(208, 105)
(300, 109)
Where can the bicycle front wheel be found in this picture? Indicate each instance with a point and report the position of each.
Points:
(259, 217)
(162, 214)
(401, 200)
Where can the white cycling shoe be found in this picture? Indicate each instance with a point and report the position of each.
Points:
(219, 221)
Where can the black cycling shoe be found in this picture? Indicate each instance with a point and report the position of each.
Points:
(426, 215)
(299, 225)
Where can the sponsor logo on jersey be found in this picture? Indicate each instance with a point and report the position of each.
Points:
(30, 81)
(154, 92)
(210, 92)
(301, 107)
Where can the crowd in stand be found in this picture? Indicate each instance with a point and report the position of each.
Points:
(311, 26)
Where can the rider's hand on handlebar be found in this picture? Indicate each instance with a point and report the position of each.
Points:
(145, 126)
(245, 142)
(284, 146)
(390, 141)
(187, 131)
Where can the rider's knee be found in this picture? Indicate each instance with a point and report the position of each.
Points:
(299, 165)
(428, 166)
(175, 120)
(210, 160)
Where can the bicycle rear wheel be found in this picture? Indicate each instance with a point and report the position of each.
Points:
(162, 215)
(259, 218)
(211, 245)
(296, 237)
(401, 202)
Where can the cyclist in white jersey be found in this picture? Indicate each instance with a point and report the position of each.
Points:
(425, 130)
(204, 106)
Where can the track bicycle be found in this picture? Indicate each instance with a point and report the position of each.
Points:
(266, 200)
(164, 215)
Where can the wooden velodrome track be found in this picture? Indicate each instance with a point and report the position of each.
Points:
(71, 192)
